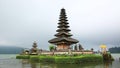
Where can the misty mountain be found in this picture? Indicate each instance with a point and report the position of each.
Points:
(114, 50)
(10, 50)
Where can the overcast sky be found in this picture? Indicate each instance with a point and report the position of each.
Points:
(93, 22)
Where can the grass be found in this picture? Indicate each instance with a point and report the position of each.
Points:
(22, 56)
(63, 59)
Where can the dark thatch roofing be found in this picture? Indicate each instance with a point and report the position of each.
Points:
(63, 35)
(61, 29)
(63, 39)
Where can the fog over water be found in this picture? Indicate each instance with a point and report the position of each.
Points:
(93, 22)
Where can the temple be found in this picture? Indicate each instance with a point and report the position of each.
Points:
(63, 38)
(34, 50)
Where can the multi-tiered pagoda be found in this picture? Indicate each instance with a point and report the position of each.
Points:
(34, 50)
(63, 38)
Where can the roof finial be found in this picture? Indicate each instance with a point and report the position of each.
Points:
(34, 41)
(62, 7)
(34, 44)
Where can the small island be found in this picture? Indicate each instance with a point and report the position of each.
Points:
(61, 50)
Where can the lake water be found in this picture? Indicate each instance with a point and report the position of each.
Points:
(9, 61)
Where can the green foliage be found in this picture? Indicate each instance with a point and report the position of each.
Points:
(50, 59)
(71, 59)
(34, 58)
(79, 59)
(51, 47)
(22, 57)
(62, 60)
(66, 59)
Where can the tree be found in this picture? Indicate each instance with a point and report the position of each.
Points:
(51, 47)
(80, 47)
(92, 49)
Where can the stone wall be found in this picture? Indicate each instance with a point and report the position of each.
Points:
(89, 52)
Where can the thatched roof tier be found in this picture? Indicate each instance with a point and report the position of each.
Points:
(63, 40)
(63, 35)
(63, 29)
(63, 22)
(61, 26)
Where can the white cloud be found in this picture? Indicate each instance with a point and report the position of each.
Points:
(23, 21)
(5, 42)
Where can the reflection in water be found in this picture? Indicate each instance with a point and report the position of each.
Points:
(25, 61)
(107, 64)
(33, 65)
(27, 64)
(15, 63)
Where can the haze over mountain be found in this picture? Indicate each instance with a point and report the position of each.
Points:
(93, 22)
(10, 50)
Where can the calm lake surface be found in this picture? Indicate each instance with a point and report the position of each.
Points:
(9, 61)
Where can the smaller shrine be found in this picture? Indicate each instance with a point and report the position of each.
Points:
(34, 50)
(78, 47)
(103, 48)
(25, 52)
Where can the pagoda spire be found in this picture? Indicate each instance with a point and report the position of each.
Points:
(63, 30)
(63, 38)
(34, 50)
(34, 44)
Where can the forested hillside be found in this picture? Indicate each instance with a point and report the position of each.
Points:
(10, 50)
(114, 50)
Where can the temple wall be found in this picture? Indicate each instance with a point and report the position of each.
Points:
(90, 52)
(62, 46)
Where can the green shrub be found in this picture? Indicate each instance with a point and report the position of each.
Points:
(79, 59)
(50, 59)
(34, 58)
(63, 59)
(51, 47)
(22, 57)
